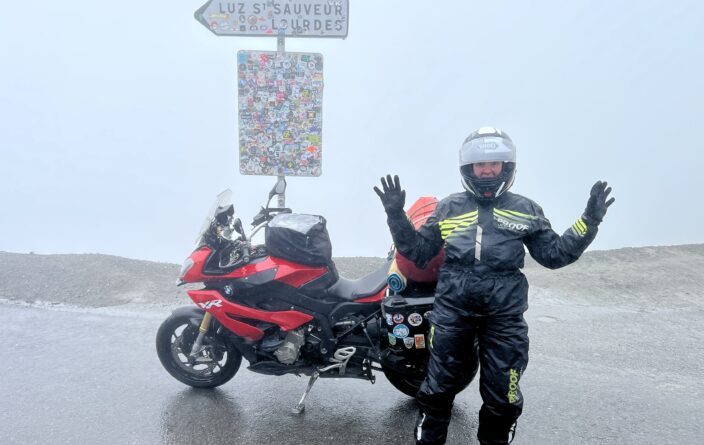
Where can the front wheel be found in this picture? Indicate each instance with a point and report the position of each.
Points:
(213, 366)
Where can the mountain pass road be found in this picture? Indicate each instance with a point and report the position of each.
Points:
(596, 376)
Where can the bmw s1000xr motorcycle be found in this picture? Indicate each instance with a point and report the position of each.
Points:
(283, 307)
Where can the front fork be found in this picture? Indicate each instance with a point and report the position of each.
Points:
(204, 324)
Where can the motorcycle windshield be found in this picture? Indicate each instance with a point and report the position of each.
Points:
(223, 199)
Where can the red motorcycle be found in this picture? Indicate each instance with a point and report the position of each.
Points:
(283, 306)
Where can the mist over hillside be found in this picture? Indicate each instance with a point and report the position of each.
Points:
(662, 276)
(657, 277)
(96, 280)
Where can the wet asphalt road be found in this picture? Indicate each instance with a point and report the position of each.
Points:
(596, 376)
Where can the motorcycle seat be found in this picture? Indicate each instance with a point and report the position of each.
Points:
(368, 285)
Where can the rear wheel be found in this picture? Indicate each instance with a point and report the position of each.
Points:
(407, 383)
(215, 364)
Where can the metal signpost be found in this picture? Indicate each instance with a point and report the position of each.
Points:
(280, 94)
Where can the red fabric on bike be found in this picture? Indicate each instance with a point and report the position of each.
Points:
(419, 212)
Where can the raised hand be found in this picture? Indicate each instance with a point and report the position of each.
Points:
(597, 204)
(392, 197)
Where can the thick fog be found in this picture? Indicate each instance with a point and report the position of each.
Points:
(118, 121)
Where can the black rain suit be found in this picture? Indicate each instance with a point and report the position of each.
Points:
(480, 299)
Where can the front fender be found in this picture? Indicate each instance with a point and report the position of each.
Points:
(193, 313)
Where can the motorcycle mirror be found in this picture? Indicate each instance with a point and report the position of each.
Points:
(278, 189)
(238, 226)
(223, 214)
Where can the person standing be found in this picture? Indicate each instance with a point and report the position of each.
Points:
(481, 293)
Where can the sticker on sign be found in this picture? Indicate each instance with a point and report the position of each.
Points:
(280, 113)
(295, 18)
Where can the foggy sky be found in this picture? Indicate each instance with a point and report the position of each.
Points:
(118, 121)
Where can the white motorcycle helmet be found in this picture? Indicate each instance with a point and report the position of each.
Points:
(488, 144)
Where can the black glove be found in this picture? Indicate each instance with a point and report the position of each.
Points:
(393, 198)
(597, 204)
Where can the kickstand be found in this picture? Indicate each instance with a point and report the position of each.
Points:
(339, 361)
(298, 409)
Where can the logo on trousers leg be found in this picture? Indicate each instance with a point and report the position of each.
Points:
(513, 377)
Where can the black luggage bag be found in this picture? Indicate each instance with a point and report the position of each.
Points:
(299, 238)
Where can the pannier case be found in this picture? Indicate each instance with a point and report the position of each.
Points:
(407, 324)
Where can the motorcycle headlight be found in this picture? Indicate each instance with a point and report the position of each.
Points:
(186, 267)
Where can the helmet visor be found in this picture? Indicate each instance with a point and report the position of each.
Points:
(487, 149)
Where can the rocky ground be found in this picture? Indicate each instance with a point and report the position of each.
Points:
(643, 277)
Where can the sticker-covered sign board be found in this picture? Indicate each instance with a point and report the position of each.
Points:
(280, 113)
(294, 18)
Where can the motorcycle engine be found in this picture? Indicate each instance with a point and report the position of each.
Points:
(288, 352)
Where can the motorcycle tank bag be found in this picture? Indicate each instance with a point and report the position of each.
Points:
(418, 214)
(299, 238)
(407, 323)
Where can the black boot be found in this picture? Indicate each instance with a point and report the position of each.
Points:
(430, 431)
(495, 429)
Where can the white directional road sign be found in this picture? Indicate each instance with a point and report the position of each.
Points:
(293, 18)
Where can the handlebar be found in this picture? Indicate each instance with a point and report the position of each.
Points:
(245, 252)
(265, 214)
